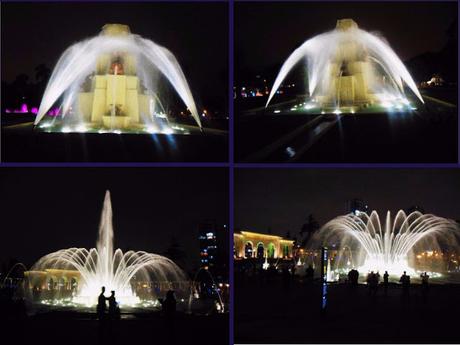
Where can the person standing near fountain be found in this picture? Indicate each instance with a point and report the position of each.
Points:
(114, 311)
(101, 304)
(405, 281)
(169, 304)
(424, 277)
(385, 282)
(353, 277)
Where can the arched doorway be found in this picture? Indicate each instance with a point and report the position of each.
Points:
(50, 284)
(73, 284)
(271, 251)
(248, 250)
(260, 250)
(62, 283)
(285, 251)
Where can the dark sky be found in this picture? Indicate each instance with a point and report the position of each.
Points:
(281, 199)
(196, 33)
(47, 209)
(266, 33)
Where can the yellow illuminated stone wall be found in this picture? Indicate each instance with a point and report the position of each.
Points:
(40, 279)
(115, 99)
(282, 247)
(350, 88)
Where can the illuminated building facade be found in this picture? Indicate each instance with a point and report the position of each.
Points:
(208, 244)
(60, 283)
(53, 279)
(214, 251)
(249, 244)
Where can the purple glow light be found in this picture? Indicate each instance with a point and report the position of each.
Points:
(24, 108)
(54, 112)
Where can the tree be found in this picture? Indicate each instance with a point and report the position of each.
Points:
(308, 229)
(42, 73)
(175, 252)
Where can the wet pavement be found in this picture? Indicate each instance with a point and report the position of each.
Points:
(424, 135)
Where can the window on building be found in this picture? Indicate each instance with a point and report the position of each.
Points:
(260, 250)
(248, 250)
(285, 250)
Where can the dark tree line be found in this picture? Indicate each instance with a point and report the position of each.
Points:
(26, 90)
(306, 232)
(443, 62)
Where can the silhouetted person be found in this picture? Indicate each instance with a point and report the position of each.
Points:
(372, 282)
(405, 281)
(309, 273)
(385, 282)
(424, 277)
(101, 308)
(101, 305)
(353, 277)
(169, 304)
(113, 306)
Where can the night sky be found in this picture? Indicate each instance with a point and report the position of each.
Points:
(282, 199)
(47, 209)
(196, 33)
(267, 33)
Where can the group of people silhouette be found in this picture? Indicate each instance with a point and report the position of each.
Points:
(168, 305)
(114, 310)
(373, 281)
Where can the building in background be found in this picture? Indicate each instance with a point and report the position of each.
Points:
(214, 243)
(249, 244)
(356, 206)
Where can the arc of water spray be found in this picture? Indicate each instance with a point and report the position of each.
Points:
(102, 266)
(17, 264)
(392, 243)
(80, 60)
(320, 49)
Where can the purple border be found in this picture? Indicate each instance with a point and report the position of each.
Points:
(231, 169)
(230, 164)
(343, 165)
(114, 165)
(349, 1)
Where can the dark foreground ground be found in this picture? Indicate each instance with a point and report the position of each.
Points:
(20, 143)
(83, 329)
(271, 312)
(426, 135)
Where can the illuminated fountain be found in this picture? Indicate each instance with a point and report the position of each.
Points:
(387, 247)
(86, 271)
(202, 302)
(112, 83)
(349, 69)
